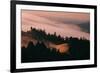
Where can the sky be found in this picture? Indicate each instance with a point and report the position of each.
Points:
(66, 24)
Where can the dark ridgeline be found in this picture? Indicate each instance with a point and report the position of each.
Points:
(79, 48)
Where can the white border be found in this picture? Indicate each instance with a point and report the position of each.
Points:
(20, 65)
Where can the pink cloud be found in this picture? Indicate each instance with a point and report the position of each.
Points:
(38, 20)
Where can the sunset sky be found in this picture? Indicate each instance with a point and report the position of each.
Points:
(63, 23)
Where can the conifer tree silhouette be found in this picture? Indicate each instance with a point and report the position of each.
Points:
(79, 48)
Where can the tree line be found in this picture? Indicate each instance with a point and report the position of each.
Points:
(79, 48)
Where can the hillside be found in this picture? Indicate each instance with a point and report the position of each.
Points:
(45, 45)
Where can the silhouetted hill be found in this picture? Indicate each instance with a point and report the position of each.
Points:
(79, 49)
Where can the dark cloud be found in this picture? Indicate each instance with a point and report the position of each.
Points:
(85, 27)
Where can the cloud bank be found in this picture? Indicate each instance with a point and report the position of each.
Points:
(63, 23)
